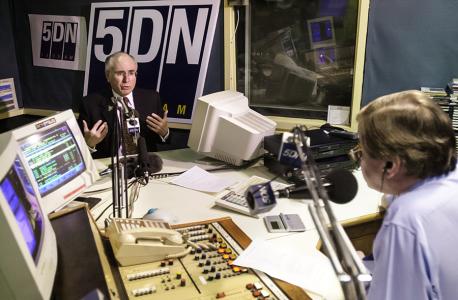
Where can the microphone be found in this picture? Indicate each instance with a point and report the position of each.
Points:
(131, 116)
(287, 154)
(341, 186)
(147, 163)
(260, 198)
(133, 125)
(128, 112)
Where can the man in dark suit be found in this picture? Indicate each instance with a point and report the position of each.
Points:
(96, 110)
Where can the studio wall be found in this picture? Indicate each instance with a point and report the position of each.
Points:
(8, 59)
(59, 89)
(410, 43)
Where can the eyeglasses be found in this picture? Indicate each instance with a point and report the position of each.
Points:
(122, 74)
(356, 154)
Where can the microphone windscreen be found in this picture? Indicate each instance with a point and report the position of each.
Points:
(147, 161)
(154, 163)
(343, 186)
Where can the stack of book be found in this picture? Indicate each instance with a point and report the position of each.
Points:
(440, 96)
(448, 100)
(452, 88)
(456, 137)
(453, 110)
(434, 92)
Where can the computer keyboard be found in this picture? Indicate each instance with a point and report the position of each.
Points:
(233, 198)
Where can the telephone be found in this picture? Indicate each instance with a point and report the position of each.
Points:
(137, 241)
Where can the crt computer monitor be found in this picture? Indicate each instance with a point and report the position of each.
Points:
(57, 157)
(321, 32)
(225, 128)
(322, 41)
(28, 250)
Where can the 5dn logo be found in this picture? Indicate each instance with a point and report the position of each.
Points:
(58, 40)
(147, 46)
(289, 153)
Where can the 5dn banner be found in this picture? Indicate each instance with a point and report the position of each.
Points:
(58, 41)
(171, 41)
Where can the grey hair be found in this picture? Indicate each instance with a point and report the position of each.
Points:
(112, 57)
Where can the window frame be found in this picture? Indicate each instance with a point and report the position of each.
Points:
(285, 123)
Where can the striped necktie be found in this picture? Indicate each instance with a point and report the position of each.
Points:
(128, 143)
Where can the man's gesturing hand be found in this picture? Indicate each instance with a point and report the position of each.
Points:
(158, 124)
(96, 134)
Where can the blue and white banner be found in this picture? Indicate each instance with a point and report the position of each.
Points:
(171, 41)
(58, 41)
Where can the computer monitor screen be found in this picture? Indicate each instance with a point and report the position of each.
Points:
(57, 157)
(28, 259)
(225, 128)
(53, 156)
(24, 206)
(321, 32)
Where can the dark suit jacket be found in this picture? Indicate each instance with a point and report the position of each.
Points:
(98, 106)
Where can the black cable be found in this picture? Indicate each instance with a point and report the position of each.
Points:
(101, 214)
(224, 167)
(165, 175)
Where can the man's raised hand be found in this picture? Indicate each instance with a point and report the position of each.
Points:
(96, 134)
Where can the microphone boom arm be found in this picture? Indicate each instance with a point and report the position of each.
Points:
(352, 274)
(119, 180)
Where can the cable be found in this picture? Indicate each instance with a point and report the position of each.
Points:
(129, 185)
(164, 175)
(236, 27)
(101, 214)
(224, 167)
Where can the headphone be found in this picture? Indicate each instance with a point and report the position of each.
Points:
(388, 165)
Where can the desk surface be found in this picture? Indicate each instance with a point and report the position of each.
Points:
(182, 205)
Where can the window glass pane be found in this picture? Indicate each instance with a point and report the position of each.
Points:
(302, 56)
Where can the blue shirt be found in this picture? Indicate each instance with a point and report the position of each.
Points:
(416, 249)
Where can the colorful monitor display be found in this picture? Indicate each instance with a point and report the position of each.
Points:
(28, 259)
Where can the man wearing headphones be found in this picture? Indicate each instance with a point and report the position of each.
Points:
(408, 151)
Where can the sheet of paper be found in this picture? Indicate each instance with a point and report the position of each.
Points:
(338, 115)
(201, 180)
(310, 270)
